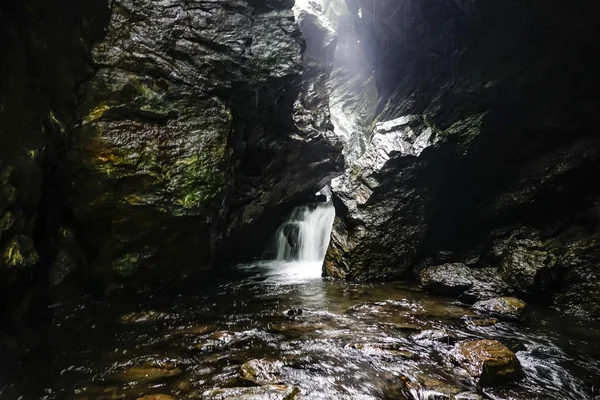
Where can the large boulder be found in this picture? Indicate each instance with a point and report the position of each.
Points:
(449, 279)
(524, 263)
(459, 280)
(488, 361)
(370, 239)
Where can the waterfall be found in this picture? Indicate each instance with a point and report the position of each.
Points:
(305, 235)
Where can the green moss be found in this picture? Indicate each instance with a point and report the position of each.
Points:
(97, 113)
(20, 253)
(126, 265)
(203, 178)
(55, 120)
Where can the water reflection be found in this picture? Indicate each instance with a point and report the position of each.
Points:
(351, 341)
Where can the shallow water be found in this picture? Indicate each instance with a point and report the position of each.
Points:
(352, 341)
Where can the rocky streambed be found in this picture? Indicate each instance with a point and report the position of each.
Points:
(279, 331)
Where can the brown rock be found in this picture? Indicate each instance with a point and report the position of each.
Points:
(490, 362)
(156, 397)
(505, 307)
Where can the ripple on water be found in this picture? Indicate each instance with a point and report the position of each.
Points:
(351, 341)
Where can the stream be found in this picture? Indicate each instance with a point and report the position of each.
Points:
(351, 341)
(277, 330)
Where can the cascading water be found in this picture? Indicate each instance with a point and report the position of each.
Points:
(304, 237)
(299, 246)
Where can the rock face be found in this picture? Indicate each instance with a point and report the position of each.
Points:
(154, 134)
(45, 56)
(506, 178)
(370, 239)
(468, 284)
(488, 361)
(184, 128)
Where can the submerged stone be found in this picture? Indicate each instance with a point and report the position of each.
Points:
(393, 349)
(261, 372)
(434, 335)
(488, 361)
(215, 340)
(145, 317)
(147, 374)
(196, 330)
(503, 307)
(428, 387)
(480, 322)
(269, 392)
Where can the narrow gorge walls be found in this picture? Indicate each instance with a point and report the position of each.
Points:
(486, 129)
(145, 141)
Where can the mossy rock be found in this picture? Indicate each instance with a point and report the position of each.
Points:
(488, 361)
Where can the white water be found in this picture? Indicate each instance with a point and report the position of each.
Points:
(300, 244)
(308, 230)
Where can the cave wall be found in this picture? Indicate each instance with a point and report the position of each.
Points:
(144, 141)
(45, 55)
(504, 93)
(188, 140)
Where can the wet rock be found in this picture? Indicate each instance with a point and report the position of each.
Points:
(434, 335)
(159, 142)
(524, 262)
(261, 372)
(363, 243)
(468, 284)
(487, 284)
(480, 179)
(488, 361)
(268, 392)
(294, 312)
(156, 397)
(427, 387)
(447, 279)
(145, 317)
(502, 307)
(147, 373)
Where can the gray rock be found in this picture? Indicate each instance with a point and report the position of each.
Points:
(370, 240)
(448, 279)
(522, 264)
(502, 307)
(195, 109)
